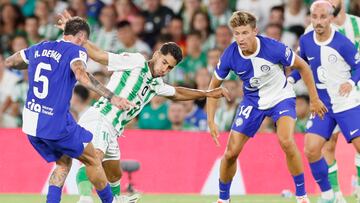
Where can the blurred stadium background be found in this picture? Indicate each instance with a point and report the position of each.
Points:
(169, 140)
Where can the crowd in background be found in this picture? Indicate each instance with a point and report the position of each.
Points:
(199, 27)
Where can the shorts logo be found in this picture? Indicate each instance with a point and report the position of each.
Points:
(309, 124)
(353, 132)
(332, 58)
(284, 111)
(239, 122)
(265, 68)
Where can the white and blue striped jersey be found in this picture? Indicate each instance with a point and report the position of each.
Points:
(262, 73)
(51, 81)
(332, 63)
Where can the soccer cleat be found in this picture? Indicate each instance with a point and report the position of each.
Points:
(339, 198)
(133, 198)
(85, 199)
(302, 199)
(222, 201)
(321, 200)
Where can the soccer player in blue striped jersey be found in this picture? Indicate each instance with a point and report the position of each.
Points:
(53, 69)
(335, 63)
(260, 63)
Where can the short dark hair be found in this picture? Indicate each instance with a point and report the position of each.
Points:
(173, 49)
(122, 24)
(82, 92)
(278, 8)
(75, 25)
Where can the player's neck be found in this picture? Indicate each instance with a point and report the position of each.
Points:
(151, 67)
(324, 36)
(251, 49)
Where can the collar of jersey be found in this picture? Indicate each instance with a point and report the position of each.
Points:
(254, 54)
(326, 42)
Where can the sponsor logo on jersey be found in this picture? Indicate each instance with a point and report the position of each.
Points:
(265, 68)
(332, 59)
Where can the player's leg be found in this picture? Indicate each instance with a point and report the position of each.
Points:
(95, 173)
(57, 179)
(318, 132)
(285, 131)
(246, 123)
(113, 173)
(329, 155)
(228, 163)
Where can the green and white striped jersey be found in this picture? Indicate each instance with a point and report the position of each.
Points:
(351, 29)
(131, 79)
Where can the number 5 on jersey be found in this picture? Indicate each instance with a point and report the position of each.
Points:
(41, 78)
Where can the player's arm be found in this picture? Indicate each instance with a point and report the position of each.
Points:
(183, 93)
(89, 81)
(316, 105)
(96, 54)
(211, 104)
(16, 61)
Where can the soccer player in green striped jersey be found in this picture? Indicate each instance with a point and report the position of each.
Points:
(139, 81)
(349, 25)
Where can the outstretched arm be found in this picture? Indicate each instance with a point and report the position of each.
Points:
(16, 61)
(90, 82)
(211, 104)
(183, 93)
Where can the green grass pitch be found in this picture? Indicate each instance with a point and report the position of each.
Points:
(21, 198)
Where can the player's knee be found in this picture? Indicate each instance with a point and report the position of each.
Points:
(231, 155)
(288, 145)
(312, 152)
(329, 148)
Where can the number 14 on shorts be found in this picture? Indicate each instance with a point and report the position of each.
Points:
(245, 111)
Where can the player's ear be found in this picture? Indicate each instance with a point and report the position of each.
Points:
(156, 54)
(256, 30)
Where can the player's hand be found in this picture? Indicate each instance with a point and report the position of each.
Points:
(345, 89)
(121, 103)
(317, 107)
(62, 19)
(214, 133)
(218, 93)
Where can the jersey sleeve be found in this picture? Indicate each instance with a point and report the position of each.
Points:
(78, 53)
(125, 61)
(352, 57)
(165, 90)
(25, 54)
(285, 55)
(223, 67)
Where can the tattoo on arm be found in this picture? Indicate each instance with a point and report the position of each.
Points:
(15, 61)
(89, 81)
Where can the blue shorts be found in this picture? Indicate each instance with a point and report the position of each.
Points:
(248, 118)
(71, 144)
(348, 121)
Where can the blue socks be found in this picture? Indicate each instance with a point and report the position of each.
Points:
(105, 194)
(319, 170)
(54, 194)
(224, 190)
(299, 185)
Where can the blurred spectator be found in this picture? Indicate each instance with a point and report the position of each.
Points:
(14, 103)
(58, 6)
(223, 37)
(260, 8)
(295, 13)
(80, 100)
(80, 9)
(195, 116)
(190, 7)
(174, 5)
(18, 43)
(177, 114)
(302, 113)
(201, 22)
(125, 9)
(226, 110)
(355, 8)
(219, 13)
(11, 23)
(213, 56)
(93, 8)
(27, 6)
(277, 15)
(8, 81)
(202, 81)
(174, 28)
(194, 59)
(106, 36)
(157, 17)
(47, 28)
(154, 115)
(138, 25)
(129, 42)
(277, 32)
(32, 30)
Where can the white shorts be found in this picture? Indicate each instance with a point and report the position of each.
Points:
(104, 134)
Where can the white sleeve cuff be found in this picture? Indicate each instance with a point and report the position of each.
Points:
(291, 80)
(293, 59)
(78, 59)
(351, 82)
(217, 76)
(23, 56)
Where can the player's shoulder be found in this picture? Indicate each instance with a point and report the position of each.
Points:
(134, 56)
(307, 37)
(230, 50)
(341, 40)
